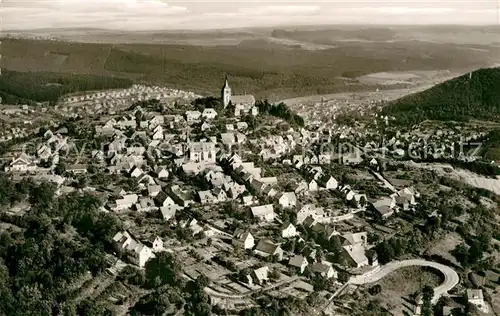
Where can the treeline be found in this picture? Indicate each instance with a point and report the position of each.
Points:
(52, 246)
(469, 96)
(28, 87)
(280, 110)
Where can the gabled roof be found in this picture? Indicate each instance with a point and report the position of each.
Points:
(266, 246)
(262, 210)
(297, 261)
(248, 98)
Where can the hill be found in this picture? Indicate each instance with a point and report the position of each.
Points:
(27, 87)
(471, 96)
(264, 68)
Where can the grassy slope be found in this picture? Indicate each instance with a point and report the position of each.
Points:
(267, 70)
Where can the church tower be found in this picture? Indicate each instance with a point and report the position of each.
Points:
(226, 93)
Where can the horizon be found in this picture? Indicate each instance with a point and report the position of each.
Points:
(250, 28)
(201, 15)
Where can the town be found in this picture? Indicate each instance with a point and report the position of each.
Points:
(256, 203)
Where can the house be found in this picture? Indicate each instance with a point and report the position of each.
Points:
(298, 262)
(324, 270)
(126, 202)
(289, 231)
(153, 190)
(157, 244)
(168, 211)
(136, 172)
(162, 199)
(157, 133)
(476, 298)
(248, 200)
(243, 239)
(180, 196)
(219, 194)
(384, 207)
(161, 173)
(76, 169)
(205, 126)
(328, 182)
(288, 200)
(405, 199)
(22, 163)
(266, 248)
(313, 185)
(135, 251)
(193, 116)
(263, 212)
(354, 245)
(145, 204)
(44, 152)
(206, 197)
(209, 114)
(202, 152)
(260, 276)
(300, 187)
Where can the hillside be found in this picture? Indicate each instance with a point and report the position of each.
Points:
(27, 87)
(266, 69)
(470, 96)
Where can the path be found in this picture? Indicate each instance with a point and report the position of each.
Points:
(451, 277)
(384, 180)
(213, 292)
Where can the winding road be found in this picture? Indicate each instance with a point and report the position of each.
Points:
(451, 278)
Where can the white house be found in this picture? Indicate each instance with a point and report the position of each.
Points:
(476, 298)
(289, 231)
(263, 212)
(202, 152)
(126, 202)
(209, 114)
(193, 116)
(260, 276)
(206, 197)
(135, 251)
(325, 270)
(329, 182)
(153, 190)
(298, 262)
(157, 244)
(243, 239)
(313, 185)
(288, 200)
(354, 244)
(22, 163)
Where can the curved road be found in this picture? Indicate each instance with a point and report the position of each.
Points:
(451, 278)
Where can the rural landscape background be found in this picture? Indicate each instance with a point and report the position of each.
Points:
(271, 63)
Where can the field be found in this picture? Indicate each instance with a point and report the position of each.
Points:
(272, 64)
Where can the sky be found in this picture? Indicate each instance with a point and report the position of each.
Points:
(204, 14)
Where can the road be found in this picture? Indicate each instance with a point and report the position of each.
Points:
(451, 277)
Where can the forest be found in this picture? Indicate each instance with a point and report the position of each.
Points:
(471, 96)
(29, 87)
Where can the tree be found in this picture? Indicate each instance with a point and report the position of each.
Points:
(60, 169)
(165, 269)
(274, 274)
(427, 295)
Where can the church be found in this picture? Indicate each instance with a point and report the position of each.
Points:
(243, 104)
